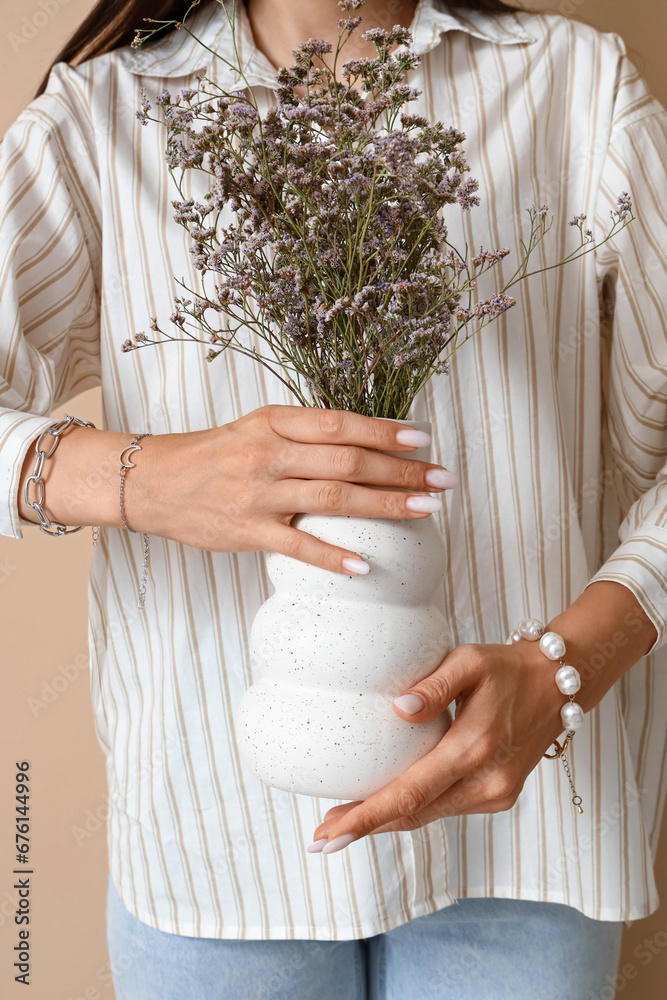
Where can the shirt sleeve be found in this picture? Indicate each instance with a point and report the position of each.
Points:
(49, 270)
(633, 267)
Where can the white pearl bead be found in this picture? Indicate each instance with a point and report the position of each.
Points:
(572, 715)
(568, 680)
(530, 629)
(552, 645)
(513, 637)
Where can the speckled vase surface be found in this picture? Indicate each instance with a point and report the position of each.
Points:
(334, 651)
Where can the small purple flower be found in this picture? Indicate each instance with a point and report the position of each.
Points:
(466, 196)
(489, 256)
(242, 110)
(374, 35)
(490, 308)
(313, 47)
(348, 24)
(624, 203)
(146, 106)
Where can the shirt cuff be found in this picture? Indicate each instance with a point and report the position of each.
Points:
(17, 432)
(640, 564)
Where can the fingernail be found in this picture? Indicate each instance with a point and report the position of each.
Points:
(317, 846)
(410, 703)
(356, 566)
(338, 843)
(413, 437)
(442, 479)
(424, 504)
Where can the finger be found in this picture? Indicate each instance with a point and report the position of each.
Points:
(308, 549)
(492, 788)
(462, 799)
(331, 497)
(332, 816)
(409, 794)
(461, 670)
(351, 464)
(312, 425)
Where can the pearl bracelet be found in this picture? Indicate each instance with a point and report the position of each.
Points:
(568, 682)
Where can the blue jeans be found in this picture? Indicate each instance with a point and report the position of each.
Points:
(478, 949)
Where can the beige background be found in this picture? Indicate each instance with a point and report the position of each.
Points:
(45, 713)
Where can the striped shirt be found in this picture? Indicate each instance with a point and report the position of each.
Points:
(554, 417)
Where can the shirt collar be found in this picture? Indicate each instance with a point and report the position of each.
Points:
(179, 54)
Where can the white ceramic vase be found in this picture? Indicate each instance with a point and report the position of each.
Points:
(334, 651)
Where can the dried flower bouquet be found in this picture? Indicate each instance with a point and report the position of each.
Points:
(333, 268)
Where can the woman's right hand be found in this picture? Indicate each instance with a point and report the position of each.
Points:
(237, 487)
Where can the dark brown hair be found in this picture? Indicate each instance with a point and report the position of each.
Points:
(112, 23)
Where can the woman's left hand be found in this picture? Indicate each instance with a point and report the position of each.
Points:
(507, 716)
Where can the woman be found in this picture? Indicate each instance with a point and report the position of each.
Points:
(555, 420)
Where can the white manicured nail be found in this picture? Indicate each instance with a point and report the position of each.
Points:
(356, 566)
(442, 479)
(409, 703)
(317, 846)
(338, 843)
(413, 437)
(424, 504)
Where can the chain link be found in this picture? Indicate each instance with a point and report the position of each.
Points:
(46, 525)
(125, 464)
(144, 573)
(55, 528)
(561, 751)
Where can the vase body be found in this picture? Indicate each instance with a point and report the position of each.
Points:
(334, 651)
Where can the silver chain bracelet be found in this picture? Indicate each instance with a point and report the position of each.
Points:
(125, 464)
(54, 528)
(46, 525)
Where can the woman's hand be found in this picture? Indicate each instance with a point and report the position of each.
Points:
(507, 717)
(237, 487)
